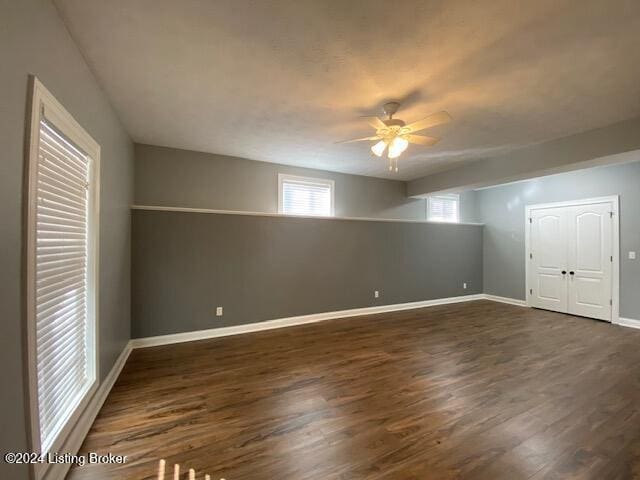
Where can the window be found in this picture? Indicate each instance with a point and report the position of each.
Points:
(61, 269)
(305, 196)
(443, 208)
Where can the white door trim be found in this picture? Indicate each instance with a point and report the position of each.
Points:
(614, 200)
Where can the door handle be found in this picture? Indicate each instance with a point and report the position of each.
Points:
(564, 272)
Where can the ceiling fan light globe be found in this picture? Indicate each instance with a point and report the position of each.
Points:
(397, 146)
(379, 148)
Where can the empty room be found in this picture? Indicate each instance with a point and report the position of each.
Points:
(320, 239)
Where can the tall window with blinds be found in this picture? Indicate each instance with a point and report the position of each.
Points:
(305, 196)
(443, 208)
(61, 269)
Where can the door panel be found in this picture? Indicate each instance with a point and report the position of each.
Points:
(549, 259)
(588, 242)
(589, 254)
(551, 287)
(589, 292)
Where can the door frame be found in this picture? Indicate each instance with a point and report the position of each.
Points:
(614, 200)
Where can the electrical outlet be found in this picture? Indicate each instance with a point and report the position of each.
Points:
(464, 285)
(218, 311)
(376, 294)
(632, 255)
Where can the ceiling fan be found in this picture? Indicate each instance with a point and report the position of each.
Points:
(397, 135)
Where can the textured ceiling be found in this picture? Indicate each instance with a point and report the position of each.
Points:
(281, 81)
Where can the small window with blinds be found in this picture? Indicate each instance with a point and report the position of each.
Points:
(305, 196)
(62, 249)
(443, 208)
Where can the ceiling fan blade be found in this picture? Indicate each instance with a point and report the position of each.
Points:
(375, 137)
(422, 140)
(375, 122)
(430, 121)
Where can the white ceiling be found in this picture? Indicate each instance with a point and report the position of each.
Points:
(282, 80)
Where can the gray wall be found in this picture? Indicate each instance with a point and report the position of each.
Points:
(502, 210)
(183, 178)
(260, 268)
(469, 209)
(33, 39)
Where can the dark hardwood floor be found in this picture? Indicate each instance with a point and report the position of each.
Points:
(475, 390)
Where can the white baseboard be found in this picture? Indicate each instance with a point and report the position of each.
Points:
(58, 471)
(510, 301)
(628, 322)
(291, 321)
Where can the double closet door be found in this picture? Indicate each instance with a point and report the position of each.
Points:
(570, 255)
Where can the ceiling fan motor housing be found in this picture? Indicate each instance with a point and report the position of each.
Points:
(394, 122)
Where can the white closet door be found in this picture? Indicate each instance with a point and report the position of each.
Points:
(590, 262)
(549, 259)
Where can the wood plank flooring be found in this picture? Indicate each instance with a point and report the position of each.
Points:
(476, 390)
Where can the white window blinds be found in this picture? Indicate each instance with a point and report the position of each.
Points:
(443, 208)
(305, 196)
(65, 371)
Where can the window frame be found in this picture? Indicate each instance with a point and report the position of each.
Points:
(284, 178)
(44, 105)
(448, 196)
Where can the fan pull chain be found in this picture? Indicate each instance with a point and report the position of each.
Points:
(161, 466)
